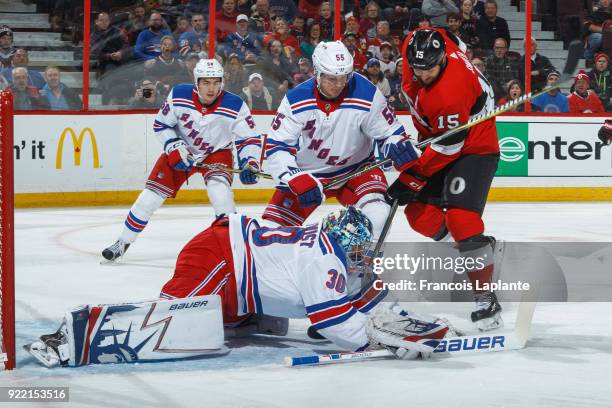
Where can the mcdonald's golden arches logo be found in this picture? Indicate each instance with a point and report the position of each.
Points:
(77, 143)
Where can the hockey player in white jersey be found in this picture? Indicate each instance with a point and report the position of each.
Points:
(326, 128)
(201, 124)
(290, 272)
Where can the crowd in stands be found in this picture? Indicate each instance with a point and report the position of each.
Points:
(139, 50)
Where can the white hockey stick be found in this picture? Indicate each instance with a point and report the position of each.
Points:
(478, 343)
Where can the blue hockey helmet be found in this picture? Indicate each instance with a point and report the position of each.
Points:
(352, 230)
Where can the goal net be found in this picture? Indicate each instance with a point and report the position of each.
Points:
(7, 262)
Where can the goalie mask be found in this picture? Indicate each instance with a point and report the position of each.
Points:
(207, 68)
(352, 230)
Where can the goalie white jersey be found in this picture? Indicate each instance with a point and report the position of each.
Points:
(329, 138)
(298, 272)
(207, 129)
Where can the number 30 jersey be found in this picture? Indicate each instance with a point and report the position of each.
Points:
(329, 138)
(298, 272)
(207, 129)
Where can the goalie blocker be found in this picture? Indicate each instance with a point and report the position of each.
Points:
(135, 332)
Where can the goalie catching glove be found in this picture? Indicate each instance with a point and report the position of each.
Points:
(405, 336)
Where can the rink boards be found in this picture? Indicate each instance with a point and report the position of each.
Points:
(104, 159)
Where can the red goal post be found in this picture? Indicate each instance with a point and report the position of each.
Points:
(7, 255)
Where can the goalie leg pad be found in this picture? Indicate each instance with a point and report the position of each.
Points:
(160, 330)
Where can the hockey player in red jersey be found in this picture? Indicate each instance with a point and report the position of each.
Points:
(445, 190)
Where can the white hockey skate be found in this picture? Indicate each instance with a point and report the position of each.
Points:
(51, 349)
(115, 251)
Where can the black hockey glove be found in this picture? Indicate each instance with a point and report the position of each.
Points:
(605, 132)
(406, 188)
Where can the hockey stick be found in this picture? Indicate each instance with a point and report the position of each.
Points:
(573, 56)
(478, 343)
(381, 239)
(228, 169)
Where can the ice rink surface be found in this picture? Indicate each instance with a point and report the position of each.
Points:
(567, 361)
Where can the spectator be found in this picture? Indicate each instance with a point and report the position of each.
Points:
(6, 46)
(190, 60)
(309, 8)
(182, 26)
(109, 46)
(298, 27)
(599, 78)
(191, 41)
(437, 10)
(387, 65)
(470, 22)
(148, 42)
(480, 64)
(25, 97)
(383, 34)
(137, 23)
(235, 74)
(243, 43)
(226, 20)
(261, 19)
(553, 100)
(59, 96)
(454, 22)
(514, 90)
(374, 74)
(350, 41)
(304, 72)
(245, 6)
(423, 21)
(312, 39)
(145, 97)
(583, 99)
(283, 8)
(477, 8)
(256, 95)
(21, 59)
(352, 26)
(276, 68)
(367, 25)
(291, 46)
(397, 100)
(490, 27)
(540, 66)
(594, 27)
(500, 69)
(326, 21)
(164, 68)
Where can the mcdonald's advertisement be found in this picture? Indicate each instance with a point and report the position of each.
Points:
(100, 153)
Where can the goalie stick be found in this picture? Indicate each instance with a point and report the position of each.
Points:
(471, 344)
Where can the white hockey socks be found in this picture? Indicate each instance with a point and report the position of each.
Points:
(141, 212)
(220, 195)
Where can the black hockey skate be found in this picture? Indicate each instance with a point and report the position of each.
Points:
(115, 251)
(487, 315)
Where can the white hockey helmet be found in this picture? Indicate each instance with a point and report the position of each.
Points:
(332, 58)
(207, 68)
